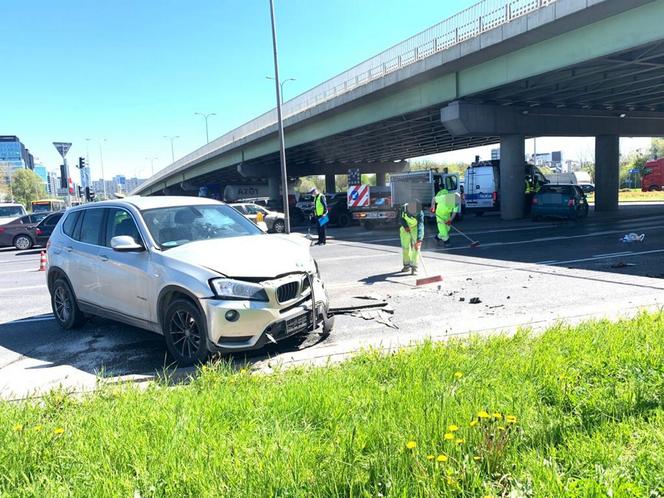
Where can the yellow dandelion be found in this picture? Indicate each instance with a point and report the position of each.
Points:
(487, 496)
(473, 423)
(452, 428)
(442, 458)
(483, 414)
(450, 480)
(497, 415)
(459, 440)
(411, 445)
(430, 457)
(511, 419)
(18, 427)
(458, 375)
(476, 458)
(38, 428)
(501, 428)
(59, 431)
(448, 436)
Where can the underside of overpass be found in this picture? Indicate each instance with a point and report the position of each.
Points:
(618, 93)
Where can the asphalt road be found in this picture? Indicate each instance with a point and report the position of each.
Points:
(523, 274)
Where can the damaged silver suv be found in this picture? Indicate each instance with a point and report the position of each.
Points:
(194, 270)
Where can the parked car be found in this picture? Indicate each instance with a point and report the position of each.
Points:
(44, 229)
(337, 206)
(562, 201)
(273, 220)
(20, 233)
(305, 204)
(588, 188)
(9, 211)
(192, 269)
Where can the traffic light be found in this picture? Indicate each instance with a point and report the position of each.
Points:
(80, 191)
(81, 162)
(89, 194)
(63, 176)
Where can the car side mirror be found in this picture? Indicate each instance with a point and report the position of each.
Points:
(126, 243)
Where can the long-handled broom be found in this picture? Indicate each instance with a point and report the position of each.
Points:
(473, 243)
(427, 280)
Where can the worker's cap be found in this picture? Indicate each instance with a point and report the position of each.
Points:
(313, 190)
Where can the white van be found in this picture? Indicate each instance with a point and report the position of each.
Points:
(10, 211)
(481, 187)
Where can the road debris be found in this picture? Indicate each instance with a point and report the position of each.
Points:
(622, 264)
(475, 300)
(348, 310)
(462, 299)
(632, 237)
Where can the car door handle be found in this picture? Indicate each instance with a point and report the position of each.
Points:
(103, 258)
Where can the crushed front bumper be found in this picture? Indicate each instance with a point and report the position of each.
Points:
(260, 323)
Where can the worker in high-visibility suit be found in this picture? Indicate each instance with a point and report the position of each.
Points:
(446, 206)
(412, 233)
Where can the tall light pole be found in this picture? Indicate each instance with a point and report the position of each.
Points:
(151, 159)
(205, 117)
(172, 139)
(282, 86)
(280, 122)
(101, 163)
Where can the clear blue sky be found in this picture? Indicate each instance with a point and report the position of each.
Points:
(132, 71)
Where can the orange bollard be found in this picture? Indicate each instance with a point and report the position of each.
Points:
(42, 261)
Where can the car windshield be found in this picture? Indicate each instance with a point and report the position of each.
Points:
(6, 211)
(175, 226)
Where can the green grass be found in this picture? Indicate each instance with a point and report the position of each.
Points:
(634, 195)
(588, 402)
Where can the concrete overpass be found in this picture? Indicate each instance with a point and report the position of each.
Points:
(499, 71)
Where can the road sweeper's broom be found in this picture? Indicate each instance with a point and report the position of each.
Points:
(427, 280)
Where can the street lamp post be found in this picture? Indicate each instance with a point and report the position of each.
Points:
(172, 139)
(151, 159)
(282, 145)
(205, 117)
(282, 86)
(101, 163)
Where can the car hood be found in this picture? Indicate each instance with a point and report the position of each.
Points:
(258, 256)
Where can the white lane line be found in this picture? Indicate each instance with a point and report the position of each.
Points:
(549, 262)
(612, 254)
(29, 320)
(12, 289)
(618, 255)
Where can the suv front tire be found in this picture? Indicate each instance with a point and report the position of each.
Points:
(185, 333)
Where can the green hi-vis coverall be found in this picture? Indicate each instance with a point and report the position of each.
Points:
(411, 231)
(446, 204)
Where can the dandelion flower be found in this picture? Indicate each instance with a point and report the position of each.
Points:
(497, 415)
(38, 428)
(442, 458)
(458, 375)
(452, 428)
(59, 431)
(18, 427)
(483, 414)
(459, 440)
(450, 480)
(473, 423)
(448, 436)
(476, 458)
(501, 428)
(430, 457)
(511, 419)
(411, 445)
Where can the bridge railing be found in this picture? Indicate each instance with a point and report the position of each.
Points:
(469, 23)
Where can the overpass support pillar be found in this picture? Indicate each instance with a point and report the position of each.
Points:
(512, 177)
(380, 179)
(330, 183)
(607, 172)
(273, 186)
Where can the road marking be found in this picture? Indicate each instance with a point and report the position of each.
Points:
(29, 320)
(11, 289)
(618, 255)
(612, 254)
(550, 262)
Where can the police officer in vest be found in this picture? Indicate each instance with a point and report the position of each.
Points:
(320, 214)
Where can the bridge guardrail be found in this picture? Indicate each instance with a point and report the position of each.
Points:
(469, 23)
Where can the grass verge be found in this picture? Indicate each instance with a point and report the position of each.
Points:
(634, 195)
(573, 412)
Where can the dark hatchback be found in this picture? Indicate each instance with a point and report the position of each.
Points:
(45, 228)
(20, 233)
(560, 201)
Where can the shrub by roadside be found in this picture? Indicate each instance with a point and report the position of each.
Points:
(573, 412)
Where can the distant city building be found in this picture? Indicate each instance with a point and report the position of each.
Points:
(14, 153)
(53, 183)
(495, 154)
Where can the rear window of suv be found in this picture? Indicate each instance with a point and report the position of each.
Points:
(70, 223)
